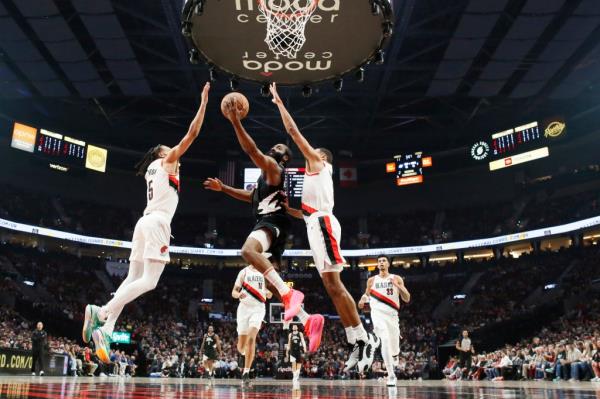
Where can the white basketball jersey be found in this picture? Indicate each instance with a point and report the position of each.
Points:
(253, 285)
(385, 296)
(317, 192)
(162, 190)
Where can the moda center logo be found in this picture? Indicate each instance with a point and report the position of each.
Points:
(308, 61)
(245, 7)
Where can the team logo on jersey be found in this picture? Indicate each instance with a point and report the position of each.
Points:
(164, 250)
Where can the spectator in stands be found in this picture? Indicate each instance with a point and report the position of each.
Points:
(596, 361)
(562, 365)
(88, 363)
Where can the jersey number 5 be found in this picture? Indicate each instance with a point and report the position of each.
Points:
(150, 191)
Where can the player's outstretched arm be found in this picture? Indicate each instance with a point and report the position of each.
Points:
(193, 131)
(310, 154)
(215, 184)
(263, 162)
(365, 298)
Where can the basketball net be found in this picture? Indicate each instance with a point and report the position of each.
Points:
(286, 22)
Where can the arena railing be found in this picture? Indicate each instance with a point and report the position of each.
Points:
(350, 253)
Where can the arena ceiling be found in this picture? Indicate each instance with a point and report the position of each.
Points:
(118, 72)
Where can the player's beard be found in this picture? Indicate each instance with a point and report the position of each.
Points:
(276, 155)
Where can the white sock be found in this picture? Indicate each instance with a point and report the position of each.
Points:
(136, 270)
(152, 272)
(350, 335)
(361, 333)
(246, 370)
(386, 354)
(275, 279)
(303, 316)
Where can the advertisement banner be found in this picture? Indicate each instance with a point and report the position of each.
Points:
(19, 362)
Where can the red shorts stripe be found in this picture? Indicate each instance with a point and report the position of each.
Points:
(307, 210)
(334, 244)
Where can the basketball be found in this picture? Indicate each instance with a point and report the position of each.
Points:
(241, 102)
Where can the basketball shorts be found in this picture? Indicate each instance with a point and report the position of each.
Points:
(151, 239)
(386, 326)
(296, 357)
(324, 237)
(278, 226)
(249, 316)
(212, 355)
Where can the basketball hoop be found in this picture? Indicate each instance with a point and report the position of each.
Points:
(286, 22)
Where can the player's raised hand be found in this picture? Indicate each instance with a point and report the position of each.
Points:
(275, 94)
(205, 91)
(213, 184)
(230, 110)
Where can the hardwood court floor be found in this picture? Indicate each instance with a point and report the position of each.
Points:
(142, 388)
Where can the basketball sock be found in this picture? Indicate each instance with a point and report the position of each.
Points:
(303, 316)
(386, 354)
(275, 279)
(136, 270)
(147, 282)
(361, 333)
(350, 335)
(246, 370)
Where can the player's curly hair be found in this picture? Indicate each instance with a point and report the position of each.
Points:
(150, 156)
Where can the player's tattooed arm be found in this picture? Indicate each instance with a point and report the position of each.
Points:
(365, 298)
(193, 131)
(310, 154)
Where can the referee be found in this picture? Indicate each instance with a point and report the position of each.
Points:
(39, 342)
(465, 349)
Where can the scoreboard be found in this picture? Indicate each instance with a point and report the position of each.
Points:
(59, 147)
(61, 151)
(518, 145)
(294, 180)
(409, 168)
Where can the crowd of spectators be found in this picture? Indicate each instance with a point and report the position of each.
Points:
(567, 348)
(372, 231)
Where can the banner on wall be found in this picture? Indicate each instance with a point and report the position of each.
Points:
(18, 361)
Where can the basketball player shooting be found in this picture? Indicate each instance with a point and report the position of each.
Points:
(324, 234)
(383, 293)
(272, 223)
(151, 237)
